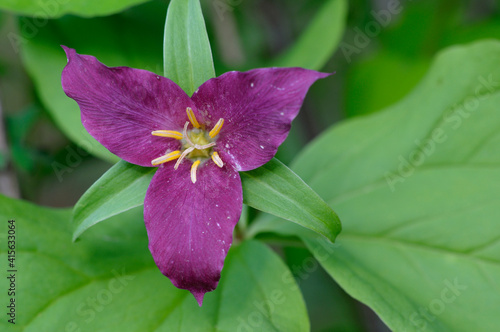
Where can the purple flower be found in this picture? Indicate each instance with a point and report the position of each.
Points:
(232, 123)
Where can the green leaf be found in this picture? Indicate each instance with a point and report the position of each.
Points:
(187, 57)
(417, 189)
(275, 189)
(272, 188)
(120, 189)
(320, 40)
(110, 283)
(56, 8)
(128, 39)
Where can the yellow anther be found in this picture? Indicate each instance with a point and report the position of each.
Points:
(168, 157)
(216, 159)
(192, 118)
(195, 144)
(216, 129)
(167, 133)
(194, 167)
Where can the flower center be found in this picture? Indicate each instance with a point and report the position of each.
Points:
(197, 144)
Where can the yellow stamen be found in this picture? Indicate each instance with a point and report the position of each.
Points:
(167, 133)
(168, 157)
(192, 118)
(194, 167)
(217, 160)
(216, 129)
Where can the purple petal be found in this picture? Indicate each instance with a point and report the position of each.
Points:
(258, 107)
(121, 106)
(190, 225)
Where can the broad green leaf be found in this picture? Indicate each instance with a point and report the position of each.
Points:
(56, 8)
(120, 189)
(187, 57)
(275, 189)
(417, 189)
(320, 40)
(110, 283)
(132, 39)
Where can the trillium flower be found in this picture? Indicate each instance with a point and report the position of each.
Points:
(232, 123)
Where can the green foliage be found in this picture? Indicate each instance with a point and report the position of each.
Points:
(121, 188)
(273, 188)
(316, 44)
(56, 8)
(417, 189)
(110, 282)
(187, 57)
